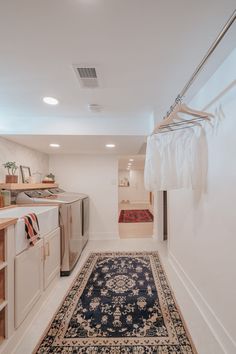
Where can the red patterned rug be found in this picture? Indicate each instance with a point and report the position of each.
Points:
(142, 215)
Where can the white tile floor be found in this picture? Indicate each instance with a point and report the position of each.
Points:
(36, 329)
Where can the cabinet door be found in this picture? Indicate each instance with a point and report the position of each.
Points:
(28, 280)
(51, 256)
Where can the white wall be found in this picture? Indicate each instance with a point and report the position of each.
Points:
(10, 151)
(202, 227)
(136, 192)
(96, 176)
(122, 175)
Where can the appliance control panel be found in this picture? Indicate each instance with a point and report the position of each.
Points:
(37, 193)
(56, 190)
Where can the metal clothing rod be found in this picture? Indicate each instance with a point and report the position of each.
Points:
(179, 125)
(210, 51)
(202, 63)
(170, 129)
(183, 122)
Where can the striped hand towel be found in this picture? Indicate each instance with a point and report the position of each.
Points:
(31, 228)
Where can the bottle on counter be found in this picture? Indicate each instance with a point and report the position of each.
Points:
(6, 197)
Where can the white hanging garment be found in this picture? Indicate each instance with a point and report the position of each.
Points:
(176, 159)
(183, 154)
(148, 166)
(189, 148)
(152, 163)
(199, 158)
(167, 162)
(160, 171)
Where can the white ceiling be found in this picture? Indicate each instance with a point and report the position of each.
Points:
(144, 50)
(137, 164)
(81, 144)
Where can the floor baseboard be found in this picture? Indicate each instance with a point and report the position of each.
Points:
(103, 236)
(214, 333)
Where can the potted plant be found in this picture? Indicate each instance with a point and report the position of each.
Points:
(50, 178)
(11, 167)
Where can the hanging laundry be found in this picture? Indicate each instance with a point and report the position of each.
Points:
(176, 159)
(199, 158)
(152, 170)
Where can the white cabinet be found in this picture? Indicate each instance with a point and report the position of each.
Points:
(6, 279)
(51, 256)
(35, 268)
(28, 280)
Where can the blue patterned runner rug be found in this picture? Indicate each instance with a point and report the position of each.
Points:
(120, 303)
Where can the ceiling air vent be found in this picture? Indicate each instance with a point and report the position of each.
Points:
(94, 107)
(87, 76)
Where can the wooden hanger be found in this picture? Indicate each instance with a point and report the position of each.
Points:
(170, 121)
(183, 108)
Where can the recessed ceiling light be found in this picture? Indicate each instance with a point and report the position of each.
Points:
(50, 100)
(54, 145)
(131, 160)
(110, 145)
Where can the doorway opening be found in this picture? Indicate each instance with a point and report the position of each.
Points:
(165, 216)
(135, 203)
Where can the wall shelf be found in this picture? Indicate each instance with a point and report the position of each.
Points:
(27, 186)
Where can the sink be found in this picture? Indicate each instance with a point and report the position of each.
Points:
(47, 218)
